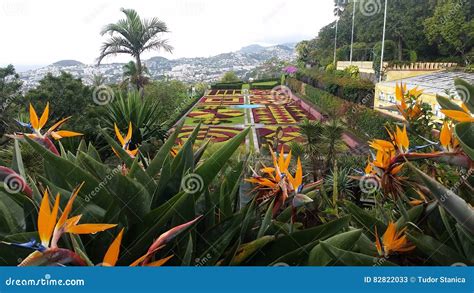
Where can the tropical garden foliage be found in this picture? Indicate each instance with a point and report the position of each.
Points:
(185, 207)
(240, 176)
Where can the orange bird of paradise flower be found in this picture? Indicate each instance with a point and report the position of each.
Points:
(392, 241)
(125, 141)
(50, 230)
(112, 255)
(36, 125)
(410, 104)
(278, 182)
(463, 114)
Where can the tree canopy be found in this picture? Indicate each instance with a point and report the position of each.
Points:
(427, 30)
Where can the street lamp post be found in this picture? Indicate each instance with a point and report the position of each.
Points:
(383, 41)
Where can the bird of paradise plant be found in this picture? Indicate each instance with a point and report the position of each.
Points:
(447, 139)
(410, 103)
(112, 255)
(36, 125)
(50, 230)
(462, 114)
(125, 141)
(391, 155)
(384, 167)
(392, 241)
(278, 182)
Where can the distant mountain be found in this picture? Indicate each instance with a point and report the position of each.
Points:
(66, 63)
(198, 69)
(252, 49)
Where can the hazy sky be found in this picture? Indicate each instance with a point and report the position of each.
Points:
(42, 32)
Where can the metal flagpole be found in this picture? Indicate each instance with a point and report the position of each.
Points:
(353, 18)
(335, 39)
(383, 41)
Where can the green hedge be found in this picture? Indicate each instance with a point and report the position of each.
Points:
(360, 91)
(230, 86)
(264, 85)
(364, 122)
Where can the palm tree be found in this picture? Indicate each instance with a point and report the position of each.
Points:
(331, 141)
(97, 80)
(133, 35)
(312, 131)
(131, 76)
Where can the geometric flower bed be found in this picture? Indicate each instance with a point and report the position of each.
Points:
(225, 92)
(268, 135)
(228, 100)
(279, 114)
(215, 115)
(215, 133)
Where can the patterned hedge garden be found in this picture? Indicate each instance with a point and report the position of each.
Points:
(272, 115)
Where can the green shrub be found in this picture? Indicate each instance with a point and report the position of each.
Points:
(339, 84)
(266, 84)
(230, 85)
(365, 122)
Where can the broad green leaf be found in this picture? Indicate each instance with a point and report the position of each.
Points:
(466, 92)
(345, 241)
(248, 249)
(157, 162)
(465, 133)
(467, 242)
(141, 176)
(447, 104)
(457, 207)
(364, 219)
(436, 251)
(295, 240)
(70, 175)
(159, 224)
(349, 258)
(267, 219)
(412, 216)
(208, 169)
(17, 161)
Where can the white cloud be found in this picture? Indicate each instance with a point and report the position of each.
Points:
(42, 32)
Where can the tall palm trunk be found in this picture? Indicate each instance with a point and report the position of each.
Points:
(139, 76)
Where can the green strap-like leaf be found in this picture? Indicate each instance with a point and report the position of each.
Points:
(454, 205)
(465, 133)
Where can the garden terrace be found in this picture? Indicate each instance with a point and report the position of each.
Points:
(272, 116)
